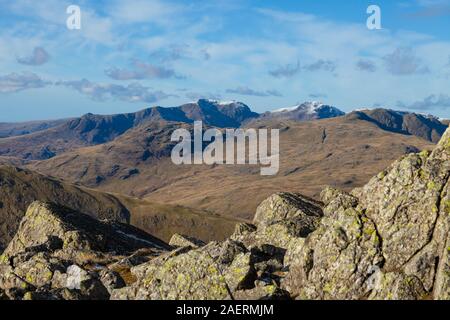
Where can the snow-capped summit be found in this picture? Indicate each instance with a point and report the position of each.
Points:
(307, 111)
(222, 103)
(311, 106)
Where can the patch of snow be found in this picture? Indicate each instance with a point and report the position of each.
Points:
(310, 106)
(285, 109)
(138, 239)
(224, 102)
(313, 106)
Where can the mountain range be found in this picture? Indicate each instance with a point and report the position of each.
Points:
(42, 140)
(303, 112)
(129, 154)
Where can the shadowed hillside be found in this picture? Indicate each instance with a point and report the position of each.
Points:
(19, 187)
(22, 128)
(426, 127)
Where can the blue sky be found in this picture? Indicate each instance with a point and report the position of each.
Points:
(269, 54)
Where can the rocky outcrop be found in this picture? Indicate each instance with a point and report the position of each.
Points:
(179, 240)
(388, 240)
(249, 265)
(20, 187)
(61, 254)
(225, 270)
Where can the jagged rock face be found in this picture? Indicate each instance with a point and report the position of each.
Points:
(338, 258)
(389, 240)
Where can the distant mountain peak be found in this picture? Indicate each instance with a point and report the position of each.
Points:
(309, 110)
(222, 102)
(425, 126)
(309, 106)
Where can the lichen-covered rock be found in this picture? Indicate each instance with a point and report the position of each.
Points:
(111, 280)
(262, 292)
(179, 240)
(404, 206)
(336, 260)
(397, 286)
(243, 229)
(10, 280)
(190, 275)
(39, 269)
(284, 205)
(288, 234)
(215, 271)
(77, 231)
(61, 254)
(441, 289)
(386, 240)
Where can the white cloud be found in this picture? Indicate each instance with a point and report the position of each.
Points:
(246, 91)
(133, 92)
(403, 61)
(38, 57)
(430, 102)
(142, 70)
(15, 82)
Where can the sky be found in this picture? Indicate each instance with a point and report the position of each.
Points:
(269, 54)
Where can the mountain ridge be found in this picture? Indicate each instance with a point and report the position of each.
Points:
(46, 140)
(427, 127)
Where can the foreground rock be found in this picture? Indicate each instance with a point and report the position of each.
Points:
(249, 265)
(58, 253)
(388, 240)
